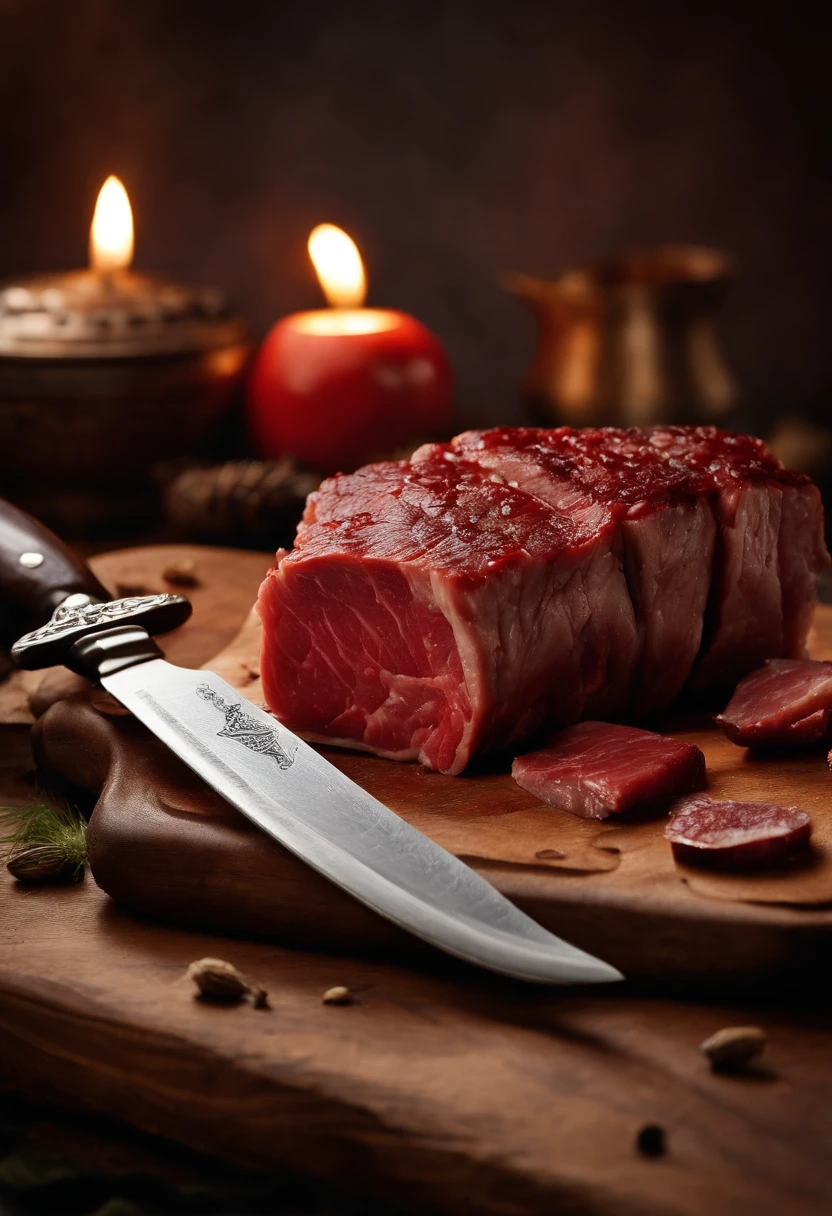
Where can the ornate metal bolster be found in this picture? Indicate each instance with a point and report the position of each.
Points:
(70, 622)
(245, 729)
(96, 655)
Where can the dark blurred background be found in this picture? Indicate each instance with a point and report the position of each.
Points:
(452, 140)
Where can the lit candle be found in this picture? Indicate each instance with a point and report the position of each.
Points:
(111, 231)
(338, 386)
(104, 372)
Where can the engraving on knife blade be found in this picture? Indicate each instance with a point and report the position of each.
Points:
(245, 729)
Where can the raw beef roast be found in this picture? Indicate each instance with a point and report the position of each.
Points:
(445, 606)
(596, 769)
(786, 703)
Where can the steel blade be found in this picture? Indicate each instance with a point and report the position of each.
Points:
(336, 827)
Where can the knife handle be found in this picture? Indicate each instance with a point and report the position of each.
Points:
(101, 638)
(37, 573)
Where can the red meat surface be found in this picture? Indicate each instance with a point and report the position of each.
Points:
(785, 702)
(721, 546)
(424, 609)
(597, 769)
(736, 835)
(441, 607)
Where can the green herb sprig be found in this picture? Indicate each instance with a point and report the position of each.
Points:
(44, 842)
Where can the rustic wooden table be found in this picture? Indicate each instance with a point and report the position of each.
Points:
(439, 1090)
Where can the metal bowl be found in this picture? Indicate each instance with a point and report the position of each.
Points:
(101, 378)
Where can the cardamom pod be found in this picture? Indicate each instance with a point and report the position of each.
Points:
(339, 995)
(733, 1047)
(181, 573)
(41, 863)
(125, 589)
(221, 981)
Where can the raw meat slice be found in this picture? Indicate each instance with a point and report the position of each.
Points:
(745, 613)
(597, 769)
(442, 607)
(745, 486)
(665, 545)
(785, 702)
(769, 551)
(668, 557)
(717, 540)
(736, 835)
(802, 555)
(814, 729)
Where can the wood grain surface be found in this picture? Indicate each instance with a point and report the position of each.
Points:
(440, 1089)
(164, 845)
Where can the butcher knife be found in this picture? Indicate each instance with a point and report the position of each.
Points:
(276, 779)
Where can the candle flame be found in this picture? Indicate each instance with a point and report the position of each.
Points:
(111, 234)
(338, 266)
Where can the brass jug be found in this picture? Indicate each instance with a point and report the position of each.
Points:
(631, 341)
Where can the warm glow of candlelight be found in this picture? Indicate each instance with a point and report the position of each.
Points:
(326, 322)
(338, 265)
(111, 234)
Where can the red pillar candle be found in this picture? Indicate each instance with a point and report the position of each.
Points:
(339, 386)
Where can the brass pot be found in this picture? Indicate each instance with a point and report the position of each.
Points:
(101, 378)
(631, 341)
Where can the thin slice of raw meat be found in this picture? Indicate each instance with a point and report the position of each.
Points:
(814, 729)
(786, 702)
(736, 835)
(597, 769)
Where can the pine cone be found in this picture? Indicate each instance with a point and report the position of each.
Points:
(249, 502)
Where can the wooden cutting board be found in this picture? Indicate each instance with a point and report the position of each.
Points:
(164, 845)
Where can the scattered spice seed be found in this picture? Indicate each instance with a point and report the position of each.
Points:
(339, 995)
(124, 589)
(651, 1140)
(218, 980)
(734, 1047)
(42, 863)
(181, 573)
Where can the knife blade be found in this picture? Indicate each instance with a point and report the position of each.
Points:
(295, 795)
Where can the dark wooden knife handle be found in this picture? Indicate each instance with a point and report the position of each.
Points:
(37, 572)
